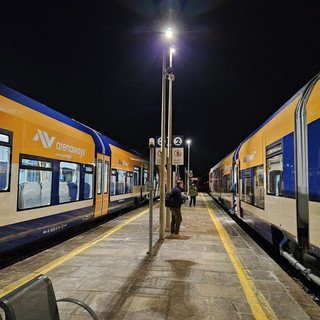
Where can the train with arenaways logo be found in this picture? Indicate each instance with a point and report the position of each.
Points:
(57, 173)
(271, 181)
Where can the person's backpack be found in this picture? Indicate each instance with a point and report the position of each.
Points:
(169, 200)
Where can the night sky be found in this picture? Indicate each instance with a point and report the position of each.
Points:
(100, 62)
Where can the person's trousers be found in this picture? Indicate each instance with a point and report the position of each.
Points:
(176, 219)
(192, 200)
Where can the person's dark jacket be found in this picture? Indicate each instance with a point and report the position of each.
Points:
(178, 197)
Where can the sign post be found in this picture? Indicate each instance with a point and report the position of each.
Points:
(150, 188)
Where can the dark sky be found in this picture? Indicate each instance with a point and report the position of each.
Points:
(100, 61)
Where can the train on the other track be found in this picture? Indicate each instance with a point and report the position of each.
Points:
(271, 181)
(56, 173)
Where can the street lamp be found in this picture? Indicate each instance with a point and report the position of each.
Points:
(163, 149)
(170, 77)
(163, 141)
(188, 173)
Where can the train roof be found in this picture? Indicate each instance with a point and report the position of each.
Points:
(102, 142)
(237, 149)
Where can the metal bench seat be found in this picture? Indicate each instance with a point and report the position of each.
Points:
(36, 300)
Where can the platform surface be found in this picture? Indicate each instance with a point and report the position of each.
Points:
(216, 271)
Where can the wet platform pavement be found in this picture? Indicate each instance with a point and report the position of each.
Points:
(216, 271)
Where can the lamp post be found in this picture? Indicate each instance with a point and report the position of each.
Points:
(163, 142)
(188, 173)
(163, 149)
(170, 77)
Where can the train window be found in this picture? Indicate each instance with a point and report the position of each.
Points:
(145, 176)
(274, 148)
(5, 159)
(247, 194)
(99, 177)
(129, 184)
(136, 176)
(258, 186)
(4, 138)
(220, 180)
(106, 176)
(5, 153)
(275, 169)
(225, 183)
(121, 182)
(35, 182)
(88, 182)
(156, 182)
(113, 182)
(69, 184)
(215, 180)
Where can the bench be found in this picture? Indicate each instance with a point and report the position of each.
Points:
(36, 300)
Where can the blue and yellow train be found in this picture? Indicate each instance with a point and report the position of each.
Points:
(271, 181)
(56, 173)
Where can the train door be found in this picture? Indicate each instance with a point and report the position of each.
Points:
(234, 189)
(238, 191)
(102, 185)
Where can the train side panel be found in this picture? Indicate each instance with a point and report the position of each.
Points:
(220, 181)
(56, 173)
(279, 180)
(262, 166)
(313, 118)
(225, 181)
(35, 135)
(129, 175)
(37, 155)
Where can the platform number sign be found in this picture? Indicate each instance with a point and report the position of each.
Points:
(158, 151)
(177, 141)
(177, 150)
(158, 140)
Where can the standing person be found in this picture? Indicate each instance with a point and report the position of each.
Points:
(193, 192)
(176, 217)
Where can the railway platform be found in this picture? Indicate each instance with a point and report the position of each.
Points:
(216, 271)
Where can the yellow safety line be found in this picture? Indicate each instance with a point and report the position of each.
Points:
(48, 267)
(254, 297)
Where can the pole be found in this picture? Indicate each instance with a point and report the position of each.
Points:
(151, 171)
(188, 174)
(163, 151)
(169, 164)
